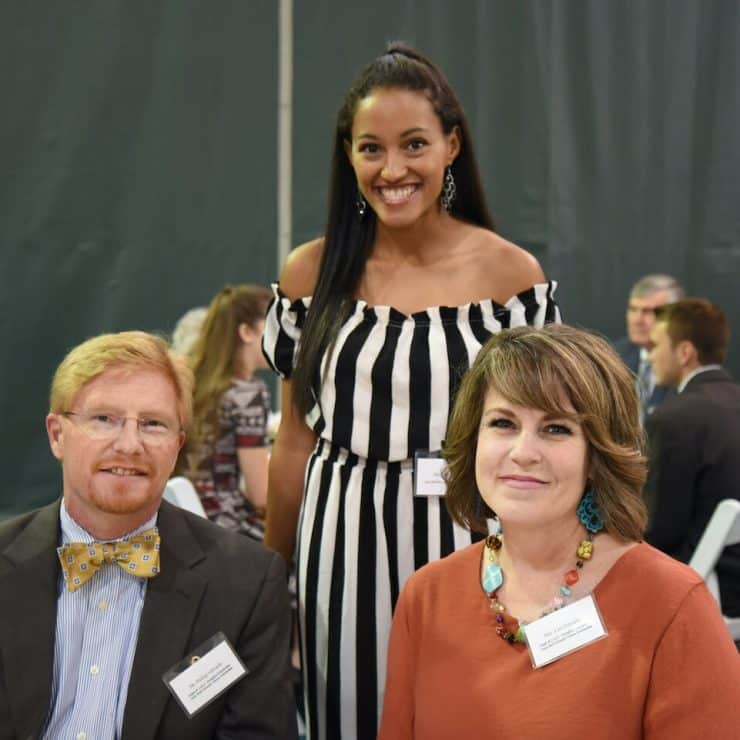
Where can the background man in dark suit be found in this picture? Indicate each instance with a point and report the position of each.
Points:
(647, 294)
(87, 631)
(694, 437)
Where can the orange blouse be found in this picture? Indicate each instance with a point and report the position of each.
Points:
(667, 670)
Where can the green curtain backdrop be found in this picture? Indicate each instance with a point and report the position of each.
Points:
(606, 131)
(138, 151)
(138, 154)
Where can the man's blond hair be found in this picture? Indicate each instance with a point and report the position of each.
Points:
(126, 350)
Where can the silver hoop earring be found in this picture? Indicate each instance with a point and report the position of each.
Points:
(449, 191)
(360, 205)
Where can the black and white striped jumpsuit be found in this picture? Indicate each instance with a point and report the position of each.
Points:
(387, 392)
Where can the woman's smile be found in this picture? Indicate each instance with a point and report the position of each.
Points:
(397, 194)
(524, 482)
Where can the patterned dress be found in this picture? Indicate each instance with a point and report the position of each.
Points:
(243, 413)
(387, 392)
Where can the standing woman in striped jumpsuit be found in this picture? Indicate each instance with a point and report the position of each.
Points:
(371, 328)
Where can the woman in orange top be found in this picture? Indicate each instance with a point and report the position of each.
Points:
(564, 622)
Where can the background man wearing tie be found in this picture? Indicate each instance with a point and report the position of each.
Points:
(96, 607)
(694, 437)
(647, 294)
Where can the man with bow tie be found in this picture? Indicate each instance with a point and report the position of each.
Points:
(123, 616)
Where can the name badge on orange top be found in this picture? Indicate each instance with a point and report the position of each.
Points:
(564, 631)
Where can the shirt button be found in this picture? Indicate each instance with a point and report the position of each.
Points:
(81, 736)
(102, 605)
(94, 669)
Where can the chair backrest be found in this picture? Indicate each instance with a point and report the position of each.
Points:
(723, 530)
(181, 492)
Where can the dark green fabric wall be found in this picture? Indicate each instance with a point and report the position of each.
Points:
(137, 151)
(138, 157)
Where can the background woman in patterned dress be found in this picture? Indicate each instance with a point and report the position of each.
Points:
(230, 410)
(371, 327)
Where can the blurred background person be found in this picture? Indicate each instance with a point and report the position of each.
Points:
(694, 438)
(187, 330)
(545, 436)
(647, 294)
(371, 328)
(227, 458)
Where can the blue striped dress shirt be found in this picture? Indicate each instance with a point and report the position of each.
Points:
(96, 633)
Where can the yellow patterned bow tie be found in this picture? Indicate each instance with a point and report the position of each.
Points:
(137, 555)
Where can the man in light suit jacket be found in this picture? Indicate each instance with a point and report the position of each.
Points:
(109, 591)
(647, 294)
(694, 438)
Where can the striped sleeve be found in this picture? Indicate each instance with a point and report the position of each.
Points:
(533, 307)
(283, 324)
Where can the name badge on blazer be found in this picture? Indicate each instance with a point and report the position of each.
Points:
(205, 674)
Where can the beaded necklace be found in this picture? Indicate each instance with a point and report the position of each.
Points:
(492, 578)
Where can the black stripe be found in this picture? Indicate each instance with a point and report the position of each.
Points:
(283, 346)
(475, 320)
(502, 315)
(420, 386)
(381, 403)
(310, 669)
(344, 381)
(457, 354)
(446, 531)
(550, 312)
(366, 676)
(531, 307)
(457, 358)
(390, 525)
(300, 312)
(421, 532)
(334, 626)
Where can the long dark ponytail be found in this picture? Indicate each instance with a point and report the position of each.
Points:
(349, 237)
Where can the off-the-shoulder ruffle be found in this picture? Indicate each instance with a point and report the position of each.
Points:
(286, 316)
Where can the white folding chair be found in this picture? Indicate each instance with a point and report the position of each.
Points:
(723, 530)
(181, 492)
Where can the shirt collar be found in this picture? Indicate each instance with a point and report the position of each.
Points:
(73, 532)
(695, 372)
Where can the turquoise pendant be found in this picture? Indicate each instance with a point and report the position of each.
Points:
(493, 578)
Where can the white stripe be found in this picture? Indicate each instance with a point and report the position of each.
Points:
(383, 609)
(460, 536)
(434, 548)
(517, 311)
(440, 380)
(326, 561)
(490, 322)
(348, 649)
(472, 345)
(405, 533)
(399, 431)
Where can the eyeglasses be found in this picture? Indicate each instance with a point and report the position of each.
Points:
(106, 427)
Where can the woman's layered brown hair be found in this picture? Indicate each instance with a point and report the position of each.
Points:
(539, 368)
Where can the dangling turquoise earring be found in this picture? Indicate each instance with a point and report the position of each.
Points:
(589, 514)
